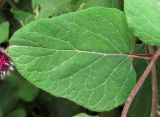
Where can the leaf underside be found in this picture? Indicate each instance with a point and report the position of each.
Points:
(78, 56)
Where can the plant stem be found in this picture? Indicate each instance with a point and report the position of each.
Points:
(141, 56)
(140, 83)
(154, 86)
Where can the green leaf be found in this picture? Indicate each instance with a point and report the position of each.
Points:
(4, 31)
(84, 115)
(17, 113)
(50, 8)
(23, 17)
(27, 92)
(143, 16)
(8, 98)
(82, 4)
(78, 56)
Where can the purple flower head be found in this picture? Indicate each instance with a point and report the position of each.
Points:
(6, 64)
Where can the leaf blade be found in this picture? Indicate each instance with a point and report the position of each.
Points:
(82, 67)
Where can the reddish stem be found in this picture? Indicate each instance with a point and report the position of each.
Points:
(141, 56)
(140, 83)
(154, 86)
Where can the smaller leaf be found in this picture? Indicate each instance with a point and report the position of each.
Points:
(17, 113)
(4, 31)
(27, 92)
(8, 98)
(82, 4)
(50, 8)
(8, 93)
(23, 17)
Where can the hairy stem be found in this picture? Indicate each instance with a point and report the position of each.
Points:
(140, 83)
(154, 86)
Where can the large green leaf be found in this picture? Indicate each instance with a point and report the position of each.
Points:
(78, 56)
(143, 16)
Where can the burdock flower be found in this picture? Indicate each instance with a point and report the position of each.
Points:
(6, 64)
